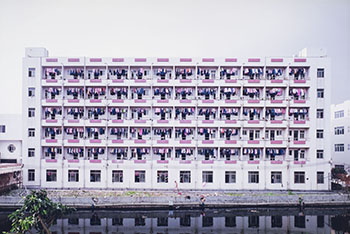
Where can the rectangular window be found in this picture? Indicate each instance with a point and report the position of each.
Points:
(320, 221)
(207, 177)
(185, 221)
(230, 221)
(319, 114)
(117, 176)
(31, 72)
(276, 221)
(299, 221)
(2, 128)
(95, 176)
(140, 221)
(207, 221)
(162, 221)
(339, 114)
(253, 221)
(51, 175)
(230, 177)
(320, 72)
(31, 112)
(73, 175)
(31, 92)
(31, 175)
(162, 176)
(73, 221)
(320, 177)
(319, 153)
(319, 133)
(31, 152)
(339, 147)
(276, 177)
(253, 177)
(299, 177)
(320, 93)
(140, 176)
(339, 130)
(117, 221)
(185, 176)
(31, 132)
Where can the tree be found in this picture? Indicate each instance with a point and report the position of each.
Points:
(38, 212)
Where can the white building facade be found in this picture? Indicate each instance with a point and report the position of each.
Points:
(10, 138)
(176, 123)
(340, 116)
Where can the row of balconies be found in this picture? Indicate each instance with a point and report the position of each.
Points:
(278, 123)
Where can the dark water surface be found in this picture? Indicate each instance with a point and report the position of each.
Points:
(224, 221)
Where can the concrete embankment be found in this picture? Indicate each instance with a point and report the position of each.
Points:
(158, 200)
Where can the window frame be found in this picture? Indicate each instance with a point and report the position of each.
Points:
(95, 176)
(253, 177)
(299, 177)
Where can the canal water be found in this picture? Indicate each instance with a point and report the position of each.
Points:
(224, 221)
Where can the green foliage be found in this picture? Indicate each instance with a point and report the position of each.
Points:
(38, 212)
(337, 172)
(290, 192)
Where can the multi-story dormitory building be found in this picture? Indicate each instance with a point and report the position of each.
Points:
(191, 123)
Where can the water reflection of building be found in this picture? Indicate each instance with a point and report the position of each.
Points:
(191, 222)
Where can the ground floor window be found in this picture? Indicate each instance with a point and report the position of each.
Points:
(185, 176)
(31, 175)
(140, 176)
(320, 177)
(73, 175)
(95, 176)
(162, 176)
(117, 176)
(230, 177)
(253, 177)
(207, 176)
(51, 175)
(276, 177)
(299, 177)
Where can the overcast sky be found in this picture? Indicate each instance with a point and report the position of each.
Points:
(161, 28)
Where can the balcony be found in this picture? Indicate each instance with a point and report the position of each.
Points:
(69, 101)
(229, 143)
(119, 122)
(51, 122)
(300, 83)
(70, 81)
(52, 102)
(190, 122)
(51, 142)
(213, 142)
(236, 102)
(300, 143)
(255, 143)
(184, 143)
(162, 102)
(185, 102)
(113, 141)
(208, 102)
(169, 142)
(95, 142)
(276, 103)
(141, 102)
(118, 102)
(253, 103)
(208, 123)
(277, 123)
(300, 103)
(256, 123)
(52, 82)
(299, 123)
(68, 121)
(280, 142)
(96, 122)
(253, 83)
(74, 142)
(96, 102)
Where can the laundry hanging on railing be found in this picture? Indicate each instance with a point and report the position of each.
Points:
(76, 73)
(115, 110)
(51, 150)
(162, 71)
(52, 72)
(166, 132)
(297, 72)
(207, 112)
(275, 112)
(94, 73)
(74, 131)
(96, 151)
(273, 73)
(119, 131)
(228, 152)
(139, 112)
(205, 131)
(118, 92)
(162, 111)
(52, 111)
(52, 92)
(183, 72)
(140, 151)
(228, 112)
(139, 73)
(273, 152)
(76, 111)
(207, 92)
(253, 72)
(207, 151)
(118, 72)
(91, 131)
(274, 92)
(52, 131)
(183, 151)
(161, 150)
(179, 132)
(75, 92)
(162, 91)
(95, 92)
(122, 151)
(297, 93)
(255, 152)
(298, 112)
(228, 91)
(251, 92)
(183, 91)
(138, 91)
(139, 131)
(206, 72)
(96, 111)
(76, 152)
(227, 132)
(251, 112)
(184, 112)
(228, 72)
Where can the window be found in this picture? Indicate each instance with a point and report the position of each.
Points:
(320, 93)
(140, 221)
(339, 114)
(230, 221)
(11, 148)
(31, 175)
(276, 177)
(162, 221)
(31, 132)
(207, 221)
(140, 176)
(185, 176)
(319, 114)
(299, 177)
(253, 177)
(319, 153)
(31, 92)
(320, 177)
(95, 176)
(319, 133)
(95, 220)
(31, 72)
(207, 177)
(276, 221)
(2, 128)
(162, 176)
(31, 112)
(73, 175)
(51, 175)
(320, 72)
(339, 147)
(320, 221)
(299, 221)
(73, 221)
(230, 177)
(185, 221)
(117, 176)
(339, 130)
(31, 152)
(117, 221)
(253, 221)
